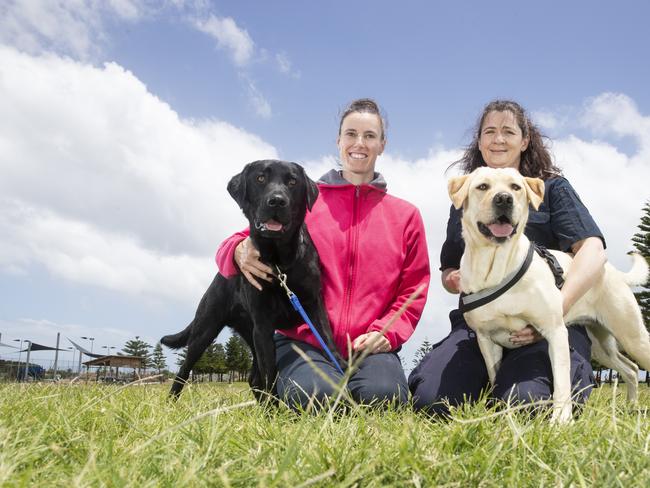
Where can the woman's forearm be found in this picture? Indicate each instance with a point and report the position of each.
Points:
(587, 266)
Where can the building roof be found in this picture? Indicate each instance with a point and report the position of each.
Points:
(117, 361)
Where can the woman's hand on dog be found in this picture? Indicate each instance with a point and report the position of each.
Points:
(247, 258)
(373, 340)
(451, 280)
(524, 337)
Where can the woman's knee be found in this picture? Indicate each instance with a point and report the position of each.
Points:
(524, 392)
(381, 392)
(428, 402)
(314, 393)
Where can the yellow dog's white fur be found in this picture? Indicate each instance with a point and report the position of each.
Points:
(609, 308)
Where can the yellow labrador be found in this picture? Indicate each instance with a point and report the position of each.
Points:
(495, 212)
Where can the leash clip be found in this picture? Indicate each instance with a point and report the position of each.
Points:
(282, 278)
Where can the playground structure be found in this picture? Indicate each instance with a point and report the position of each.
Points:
(20, 364)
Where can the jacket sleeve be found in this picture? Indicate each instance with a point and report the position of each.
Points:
(454, 246)
(415, 272)
(226, 254)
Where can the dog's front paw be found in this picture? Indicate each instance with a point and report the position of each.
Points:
(562, 414)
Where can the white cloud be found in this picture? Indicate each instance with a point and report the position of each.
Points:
(285, 65)
(260, 104)
(103, 184)
(126, 9)
(545, 120)
(73, 27)
(229, 36)
(615, 114)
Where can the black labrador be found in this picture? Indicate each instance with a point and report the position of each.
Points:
(274, 196)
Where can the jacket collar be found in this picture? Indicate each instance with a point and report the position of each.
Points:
(335, 178)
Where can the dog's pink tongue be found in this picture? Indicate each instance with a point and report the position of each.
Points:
(500, 230)
(273, 225)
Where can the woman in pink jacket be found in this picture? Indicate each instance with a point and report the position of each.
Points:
(373, 255)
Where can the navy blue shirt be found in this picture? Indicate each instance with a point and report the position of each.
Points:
(561, 221)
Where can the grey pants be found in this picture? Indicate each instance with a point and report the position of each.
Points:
(379, 379)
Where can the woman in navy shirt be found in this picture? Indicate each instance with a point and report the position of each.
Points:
(454, 370)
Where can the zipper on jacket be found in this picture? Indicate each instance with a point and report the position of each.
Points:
(353, 254)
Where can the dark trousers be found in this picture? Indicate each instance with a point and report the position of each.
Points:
(454, 371)
(379, 379)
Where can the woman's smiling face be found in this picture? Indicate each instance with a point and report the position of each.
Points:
(501, 141)
(360, 141)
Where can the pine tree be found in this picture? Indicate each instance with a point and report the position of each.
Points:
(422, 351)
(232, 355)
(137, 347)
(238, 356)
(245, 361)
(641, 242)
(205, 364)
(220, 367)
(180, 356)
(158, 358)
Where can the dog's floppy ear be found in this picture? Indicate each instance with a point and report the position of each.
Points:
(458, 188)
(311, 188)
(534, 191)
(312, 191)
(237, 186)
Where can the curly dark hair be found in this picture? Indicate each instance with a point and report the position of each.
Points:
(536, 160)
(365, 105)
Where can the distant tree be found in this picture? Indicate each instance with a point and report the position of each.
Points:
(641, 242)
(137, 347)
(219, 359)
(158, 358)
(205, 364)
(422, 351)
(245, 362)
(180, 356)
(212, 361)
(238, 357)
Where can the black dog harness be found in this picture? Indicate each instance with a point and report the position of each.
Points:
(472, 301)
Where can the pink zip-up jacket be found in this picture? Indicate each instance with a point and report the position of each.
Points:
(373, 255)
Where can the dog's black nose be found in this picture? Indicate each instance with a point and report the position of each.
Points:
(277, 200)
(502, 200)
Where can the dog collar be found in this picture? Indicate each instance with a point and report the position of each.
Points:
(471, 301)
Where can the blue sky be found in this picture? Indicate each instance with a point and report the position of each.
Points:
(123, 120)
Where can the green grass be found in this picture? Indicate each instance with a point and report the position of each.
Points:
(87, 435)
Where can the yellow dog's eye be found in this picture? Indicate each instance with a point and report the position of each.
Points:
(483, 187)
(261, 178)
(515, 187)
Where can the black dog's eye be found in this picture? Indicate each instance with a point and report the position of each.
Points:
(292, 182)
(515, 187)
(261, 178)
(483, 187)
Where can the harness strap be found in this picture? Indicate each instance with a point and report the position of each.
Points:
(553, 263)
(471, 301)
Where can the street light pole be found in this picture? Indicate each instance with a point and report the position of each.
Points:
(92, 340)
(29, 350)
(108, 353)
(71, 349)
(20, 351)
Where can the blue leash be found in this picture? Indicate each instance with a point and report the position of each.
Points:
(298, 308)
